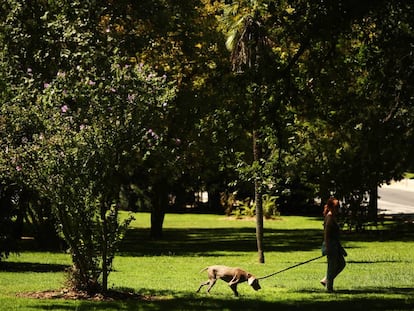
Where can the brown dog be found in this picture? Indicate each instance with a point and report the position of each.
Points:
(233, 276)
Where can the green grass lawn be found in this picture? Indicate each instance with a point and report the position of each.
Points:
(379, 274)
(409, 175)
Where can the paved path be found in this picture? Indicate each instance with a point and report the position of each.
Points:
(396, 198)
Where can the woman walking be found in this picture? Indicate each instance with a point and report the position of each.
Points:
(331, 245)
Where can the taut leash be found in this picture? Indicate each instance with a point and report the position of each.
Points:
(297, 265)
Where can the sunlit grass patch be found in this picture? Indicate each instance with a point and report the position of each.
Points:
(379, 274)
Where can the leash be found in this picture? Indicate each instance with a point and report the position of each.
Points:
(283, 270)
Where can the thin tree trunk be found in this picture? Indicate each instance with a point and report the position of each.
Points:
(258, 201)
(104, 247)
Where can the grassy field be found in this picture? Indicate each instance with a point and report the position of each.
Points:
(379, 273)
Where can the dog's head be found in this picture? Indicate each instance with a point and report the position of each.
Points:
(253, 282)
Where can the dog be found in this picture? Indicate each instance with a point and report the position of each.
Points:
(233, 276)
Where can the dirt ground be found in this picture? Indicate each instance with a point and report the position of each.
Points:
(70, 294)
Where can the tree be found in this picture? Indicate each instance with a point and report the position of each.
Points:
(75, 129)
(320, 74)
(349, 90)
(180, 39)
(249, 52)
(386, 59)
(350, 82)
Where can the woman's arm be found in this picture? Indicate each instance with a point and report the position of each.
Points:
(327, 232)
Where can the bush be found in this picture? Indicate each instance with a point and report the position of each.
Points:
(269, 206)
(247, 208)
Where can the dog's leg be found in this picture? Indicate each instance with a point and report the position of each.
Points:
(203, 284)
(234, 289)
(234, 280)
(212, 282)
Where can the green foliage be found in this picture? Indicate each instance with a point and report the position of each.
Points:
(242, 208)
(247, 208)
(75, 131)
(270, 206)
(93, 131)
(337, 104)
(228, 201)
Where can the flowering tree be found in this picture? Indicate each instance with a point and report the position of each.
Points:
(74, 130)
(88, 136)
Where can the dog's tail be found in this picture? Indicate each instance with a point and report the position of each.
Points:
(203, 269)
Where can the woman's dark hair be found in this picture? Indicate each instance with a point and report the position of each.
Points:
(330, 205)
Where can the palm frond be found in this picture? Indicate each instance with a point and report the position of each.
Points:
(250, 47)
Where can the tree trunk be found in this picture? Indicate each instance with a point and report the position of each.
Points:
(373, 203)
(159, 206)
(157, 220)
(259, 221)
(258, 200)
(104, 247)
(214, 202)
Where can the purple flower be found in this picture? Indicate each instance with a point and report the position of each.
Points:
(46, 85)
(131, 97)
(18, 168)
(91, 82)
(64, 108)
(152, 134)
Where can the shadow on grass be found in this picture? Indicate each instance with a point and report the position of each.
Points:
(367, 291)
(11, 266)
(395, 231)
(364, 262)
(206, 242)
(389, 299)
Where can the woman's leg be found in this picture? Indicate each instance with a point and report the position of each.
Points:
(335, 265)
(340, 264)
(330, 273)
